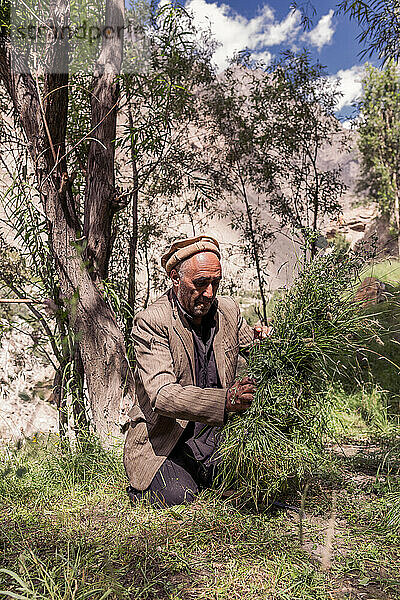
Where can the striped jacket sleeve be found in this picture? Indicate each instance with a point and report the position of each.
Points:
(155, 369)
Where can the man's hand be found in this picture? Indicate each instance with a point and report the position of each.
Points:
(240, 395)
(262, 331)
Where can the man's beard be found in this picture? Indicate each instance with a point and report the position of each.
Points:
(201, 308)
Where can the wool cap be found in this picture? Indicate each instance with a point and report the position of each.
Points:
(183, 249)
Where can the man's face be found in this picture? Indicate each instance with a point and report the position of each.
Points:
(197, 285)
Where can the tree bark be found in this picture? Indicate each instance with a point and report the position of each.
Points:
(101, 195)
(101, 343)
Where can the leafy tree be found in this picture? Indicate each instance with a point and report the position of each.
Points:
(379, 21)
(66, 167)
(267, 128)
(380, 26)
(238, 141)
(379, 141)
(278, 443)
(160, 108)
(304, 102)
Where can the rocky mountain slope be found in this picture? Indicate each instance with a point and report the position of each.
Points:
(25, 388)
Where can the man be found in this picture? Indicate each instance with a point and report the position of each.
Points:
(186, 349)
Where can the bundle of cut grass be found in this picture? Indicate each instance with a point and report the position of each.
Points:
(317, 326)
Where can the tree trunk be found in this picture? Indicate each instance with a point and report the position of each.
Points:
(101, 195)
(101, 343)
(254, 247)
(315, 204)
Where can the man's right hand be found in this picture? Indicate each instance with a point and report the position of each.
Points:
(240, 395)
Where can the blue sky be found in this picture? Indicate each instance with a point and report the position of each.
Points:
(267, 28)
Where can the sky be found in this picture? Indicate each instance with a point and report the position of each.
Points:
(268, 28)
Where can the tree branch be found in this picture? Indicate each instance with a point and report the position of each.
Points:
(100, 173)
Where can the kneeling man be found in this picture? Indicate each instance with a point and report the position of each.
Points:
(186, 348)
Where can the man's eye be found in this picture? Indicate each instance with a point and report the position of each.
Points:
(205, 282)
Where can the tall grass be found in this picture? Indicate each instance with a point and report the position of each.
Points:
(37, 580)
(318, 329)
(41, 467)
(68, 532)
(362, 414)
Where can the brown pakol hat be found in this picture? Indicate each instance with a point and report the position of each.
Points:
(183, 249)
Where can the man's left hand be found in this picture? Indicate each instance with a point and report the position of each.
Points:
(262, 331)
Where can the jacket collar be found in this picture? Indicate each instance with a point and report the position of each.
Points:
(183, 330)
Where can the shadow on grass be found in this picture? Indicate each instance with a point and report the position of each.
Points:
(68, 532)
(207, 550)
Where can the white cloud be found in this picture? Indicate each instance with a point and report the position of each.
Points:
(350, 84)
(284, 31)
(349, 124)
(235, 32)
(322, 33)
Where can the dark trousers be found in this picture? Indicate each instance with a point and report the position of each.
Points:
(179, 479)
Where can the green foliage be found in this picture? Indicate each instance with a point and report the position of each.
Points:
(68, 542)
(83, 28)
(5, 10)
(382, 364)
(239, 138)
(340, 242)
(157, 164)
(362, 414)
(379, 140)
(387, 271)
(379, 21)
(164, 69)
(317, 326)
(382, 368)
(43, 467)
(27, 267)
(304, 103)
(268, 127)
(36, 580)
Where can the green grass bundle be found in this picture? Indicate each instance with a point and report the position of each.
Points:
(317, 327)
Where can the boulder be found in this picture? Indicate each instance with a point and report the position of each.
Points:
(371, 291)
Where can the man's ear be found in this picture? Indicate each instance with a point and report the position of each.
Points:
(174, 277)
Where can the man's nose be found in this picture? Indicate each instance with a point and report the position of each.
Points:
(208, 292)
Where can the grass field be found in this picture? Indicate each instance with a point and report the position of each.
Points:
(68, 531)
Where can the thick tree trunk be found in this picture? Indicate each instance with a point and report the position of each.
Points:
(101, 343)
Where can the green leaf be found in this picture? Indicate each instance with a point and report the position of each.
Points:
(14, 576)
